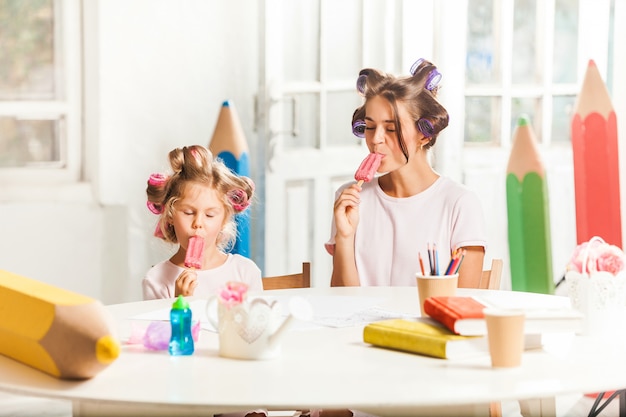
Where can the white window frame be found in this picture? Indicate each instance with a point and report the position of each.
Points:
(27, 183)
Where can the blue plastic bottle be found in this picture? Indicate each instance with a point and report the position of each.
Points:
(181, 342)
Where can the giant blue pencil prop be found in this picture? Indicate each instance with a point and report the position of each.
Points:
(229, 144)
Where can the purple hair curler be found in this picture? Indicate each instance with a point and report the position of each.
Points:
(433, 79)
(360, 84)
(358, 128)
(426, 127)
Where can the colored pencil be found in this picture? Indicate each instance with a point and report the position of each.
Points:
(530, 249)
(459, 261)
(596, 165)
(455, 262)
(430, 259)
(419, 254)
(229, 144)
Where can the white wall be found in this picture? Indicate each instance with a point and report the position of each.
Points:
(156, 74)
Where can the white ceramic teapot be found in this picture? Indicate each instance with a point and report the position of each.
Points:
(251, 329)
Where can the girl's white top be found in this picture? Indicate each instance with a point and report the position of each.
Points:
(159, 280)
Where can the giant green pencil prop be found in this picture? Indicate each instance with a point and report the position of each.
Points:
(528, 211)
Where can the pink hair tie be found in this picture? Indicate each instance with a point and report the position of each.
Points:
(239, 199)
(154, 208)
(157, 179)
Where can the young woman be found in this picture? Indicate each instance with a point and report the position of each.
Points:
(200, 198)
(380, 228)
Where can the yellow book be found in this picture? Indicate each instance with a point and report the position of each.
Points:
(423, 338)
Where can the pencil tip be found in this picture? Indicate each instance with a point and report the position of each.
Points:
(523, 120)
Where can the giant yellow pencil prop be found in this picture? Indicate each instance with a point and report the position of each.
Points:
(59, 332)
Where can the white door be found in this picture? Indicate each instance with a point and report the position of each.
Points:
(311, 55)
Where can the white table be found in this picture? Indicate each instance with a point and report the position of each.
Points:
(327, 368)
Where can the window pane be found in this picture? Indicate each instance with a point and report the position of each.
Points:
(562, 113)
(529, 107)
(27, 45)
(341, 106)
(481, 55)
(302, 63)
(305, 125)
(565, 41)
(28, 142)
(342, 31)
(482, 120)
(524, 30)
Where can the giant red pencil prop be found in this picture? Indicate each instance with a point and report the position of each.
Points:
(596, 166)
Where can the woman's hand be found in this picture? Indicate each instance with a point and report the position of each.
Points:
(185, 283)
(346, 211)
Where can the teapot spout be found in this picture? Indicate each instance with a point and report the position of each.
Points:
(275, 337)
(299, 308)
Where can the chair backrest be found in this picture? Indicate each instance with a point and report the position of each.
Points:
(490, 279)
(298, 280)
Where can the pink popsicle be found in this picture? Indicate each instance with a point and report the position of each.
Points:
(195, 250)
(368, 168)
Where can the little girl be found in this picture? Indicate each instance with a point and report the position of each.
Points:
(200, 198)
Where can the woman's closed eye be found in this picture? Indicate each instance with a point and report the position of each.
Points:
(389, 129)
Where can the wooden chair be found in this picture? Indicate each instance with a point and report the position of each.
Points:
(298, 280)
(490, 279)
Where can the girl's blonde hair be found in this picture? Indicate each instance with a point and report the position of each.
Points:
(196, 164)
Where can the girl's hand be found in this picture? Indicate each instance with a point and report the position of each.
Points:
(185, 283)
(346, 211)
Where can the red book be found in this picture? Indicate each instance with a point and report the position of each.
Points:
(448, 310)
(464, 315)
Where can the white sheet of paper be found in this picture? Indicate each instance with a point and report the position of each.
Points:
(329, 311)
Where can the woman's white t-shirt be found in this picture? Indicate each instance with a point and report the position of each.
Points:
(392, 231)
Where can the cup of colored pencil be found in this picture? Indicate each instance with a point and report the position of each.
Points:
(433, 262)
(435, 286)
